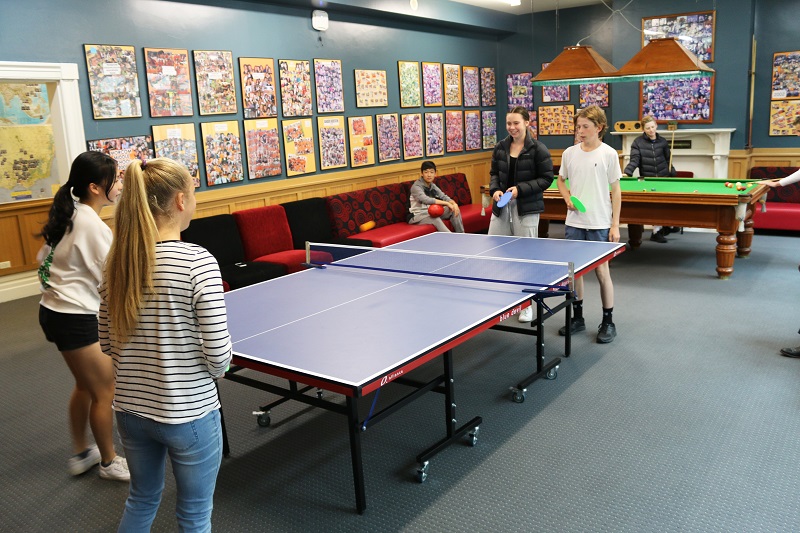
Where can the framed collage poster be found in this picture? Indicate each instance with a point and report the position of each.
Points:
(557, 120)
(124, 149)
(520, 90)
(434, 134)
(332, 148)
(554, 93)
(113, 81)
(533, 126)
(261, 141)
(408, 74)
(682, 100)
(412, 136)
(785, 75)
(695, 31)
(388, 137)
(431, 84)
(295, 79)
(472, 129)
(472, 87)
(298, 142)
(781, 117)
(216, 90)
(594, 94)
(362, 141)
(222, 151)
(168, 83)
(178, 142)
(454, 129)
(488, 87)
(452, 85)
(259, 92)
(489, 129)
(371, 89)
(328, 79)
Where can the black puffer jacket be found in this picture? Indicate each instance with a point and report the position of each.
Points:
(650, 157)
(533, 174)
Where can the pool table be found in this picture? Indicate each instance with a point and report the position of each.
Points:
(683, 202)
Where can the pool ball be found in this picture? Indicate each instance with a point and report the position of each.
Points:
(653, 189)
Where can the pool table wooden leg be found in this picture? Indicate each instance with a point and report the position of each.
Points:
(744, 239)
(726, 251)
(635, 235)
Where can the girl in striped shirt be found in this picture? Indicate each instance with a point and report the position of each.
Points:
(162, 320)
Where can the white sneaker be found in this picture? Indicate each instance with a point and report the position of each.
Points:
(526, 315)
(117, 470)
(77, 465)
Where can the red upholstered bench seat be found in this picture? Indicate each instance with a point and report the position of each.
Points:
(783, 203)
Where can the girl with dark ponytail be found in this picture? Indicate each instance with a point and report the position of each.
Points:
(71, 268)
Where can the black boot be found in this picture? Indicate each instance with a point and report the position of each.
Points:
(658, 236)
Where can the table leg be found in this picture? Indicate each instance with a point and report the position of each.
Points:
(355, 454)
(744, 239)
(635, 235)
(544, 228)
(726, 251)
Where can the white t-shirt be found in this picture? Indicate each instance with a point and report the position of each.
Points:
(76, 269)
(589, 175)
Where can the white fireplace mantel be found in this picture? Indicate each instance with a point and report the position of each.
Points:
(708, 156)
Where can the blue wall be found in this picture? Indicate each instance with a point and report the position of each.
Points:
(377, 36)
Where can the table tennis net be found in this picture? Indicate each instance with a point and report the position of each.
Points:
(506, 273)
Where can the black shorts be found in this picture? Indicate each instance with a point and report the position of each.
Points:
(69, 331)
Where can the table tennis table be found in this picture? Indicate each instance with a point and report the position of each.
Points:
(348, 327)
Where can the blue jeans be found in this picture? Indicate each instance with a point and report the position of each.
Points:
(580, 234)
(195, 449)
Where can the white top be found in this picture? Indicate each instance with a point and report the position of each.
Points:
(589, 175)
(791, 178)
(166, 371)
(69, 283)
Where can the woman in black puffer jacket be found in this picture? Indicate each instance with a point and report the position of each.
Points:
(651, 155)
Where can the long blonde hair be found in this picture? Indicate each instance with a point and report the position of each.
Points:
(147, 197)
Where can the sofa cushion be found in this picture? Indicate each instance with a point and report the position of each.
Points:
(394, 233)
(264, 230)
(218, 234)
(474, 221)
(385, 204)
(240, 275)
(456, 187)
(294, 260)
(790, 193)
(779, 215)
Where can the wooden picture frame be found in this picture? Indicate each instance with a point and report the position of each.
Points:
(330, 88)
(113, 81)
(371, 88)
(520, 90)
(695, 31)
(216, 88)
(554, 93)
(452, 84)
(489, 129)
(785, 75)
(124, 149)
(594, 94)
(658, 99)
(431, 84)
(179, 143)
(472, 86)
(781, 117)
(556, 119)
(388, 129)
(472, 130)
(295, 80)
(362, 141)
(434, 134)
(410, 88)
(454, 131)
(488, 87)
(259, 92)
(169, 86)
(332, 144)
(222, 152)
(413, 145)
(262, 143)
(298, 143)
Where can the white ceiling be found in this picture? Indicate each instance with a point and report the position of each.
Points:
(528, 5)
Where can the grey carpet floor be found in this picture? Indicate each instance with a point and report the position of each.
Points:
(687, 422)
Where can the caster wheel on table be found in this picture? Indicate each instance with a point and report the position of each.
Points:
(517, 396)
(473, 436)
(264, 420)
(319, 393)
(422, 472)
(552, 373)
